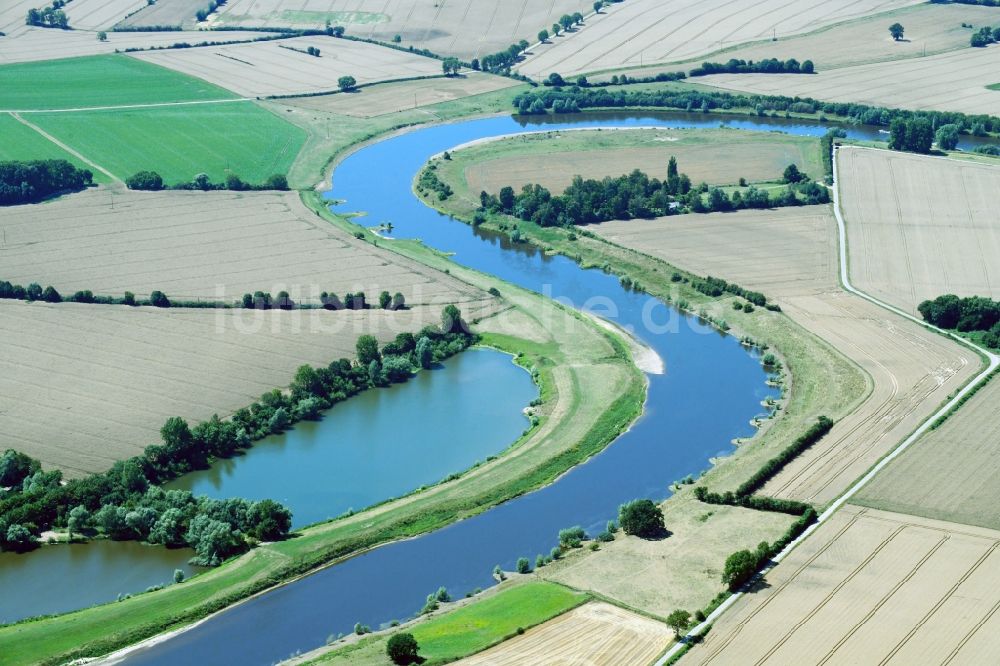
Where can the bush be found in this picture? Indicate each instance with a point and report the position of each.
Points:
(402, 649)
(571, 537)
(144, 180)
(523, 565)
(641, 518)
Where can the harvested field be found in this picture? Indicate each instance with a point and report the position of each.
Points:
(100, 14)
(97, 81)
(270, 68)
(954, 81)
(207, 246)
(595, 633)
(392, 97)
(167, 12)
(912, 370)
(682, 571)
(870, 587)
(951, 473)
(919, 227)
(21, 142)
(651, 31)
(466, 28)
(179, 142)
(720, 157)
(40, 43)
(930, 29)
(86, 385)
(12, 13)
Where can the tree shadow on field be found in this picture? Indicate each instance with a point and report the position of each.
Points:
(758, 584)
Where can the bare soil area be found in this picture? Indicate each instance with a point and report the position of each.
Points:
(919, 227)
(596, 633)
(270, 68)
(870, 587)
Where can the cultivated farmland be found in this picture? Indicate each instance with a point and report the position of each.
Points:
(950, 473)
(720, 157)
(652, 31)
(86, 385)
(919, 227)
(21, 142)
(595, 633)
(403, 95)
(276, 68)
(954, 81)
(206, 246)
(12, 13)
(167, 12)
(97, 81)
(930, 29)
(100, 14)
(911, 369)
(466, 28)
(870, 587)
(180, 142)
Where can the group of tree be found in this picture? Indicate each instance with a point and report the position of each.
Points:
(642, 518)
(715, 287)
(126, 503)
(766, 66)
(589, 97)
(451, 66)
(207, 11)
(52, 16)
(29, 182)
(501, 61)
(429, 182)
(972, 313)
(915, 135)
(151, 180)
(636, 195)
(985, 36)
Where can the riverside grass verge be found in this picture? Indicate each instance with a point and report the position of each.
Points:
(464, 631)
(579, 365)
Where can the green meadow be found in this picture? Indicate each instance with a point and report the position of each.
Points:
(105, 80)
(180, 142)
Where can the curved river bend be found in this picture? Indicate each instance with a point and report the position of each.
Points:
(711, 390)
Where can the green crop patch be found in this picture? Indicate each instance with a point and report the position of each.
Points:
(179, 142)
(22, 144)
(96, 81)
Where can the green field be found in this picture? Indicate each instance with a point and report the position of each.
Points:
(994, 86)
(24, 144)
(469, 629)
(181, 142)
(107, 80)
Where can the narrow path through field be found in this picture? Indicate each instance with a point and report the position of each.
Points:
(68, 149)
(993, 361)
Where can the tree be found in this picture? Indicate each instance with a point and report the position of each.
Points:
(276, 181)
(159, 299)
(641, 518)
(946, 137)
(566, 21)
(679, 621)
(571, 537)
(384, 300)
(556, 29)
(79, 520)
(808, 67)
(740, 567)
(169, 528)
(425, 353)
(577, 18)
(367, 349)
(102, 36)
(347, 83)
(451, 66)
(523, 565)
(268, 520)
(896, 30)
(178, 576)
(451, 320)
(50, 295)
(19, 538)
(598, 5)
(398, 301)
(792, 174)
(144, 180)
(402, 649)
(543, 36)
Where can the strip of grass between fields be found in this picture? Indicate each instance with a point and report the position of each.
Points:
(544, 454)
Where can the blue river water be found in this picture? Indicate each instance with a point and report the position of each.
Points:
(712, 388)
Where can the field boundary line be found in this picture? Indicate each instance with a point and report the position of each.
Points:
(68, 149)
(992, 363)
(124, 107)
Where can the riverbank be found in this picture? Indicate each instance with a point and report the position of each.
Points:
(590, 390)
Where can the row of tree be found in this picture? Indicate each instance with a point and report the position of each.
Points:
(766, 66)
(590, 98)
(151, 180)
(38, 500)
(29, 182)
(636, 195)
